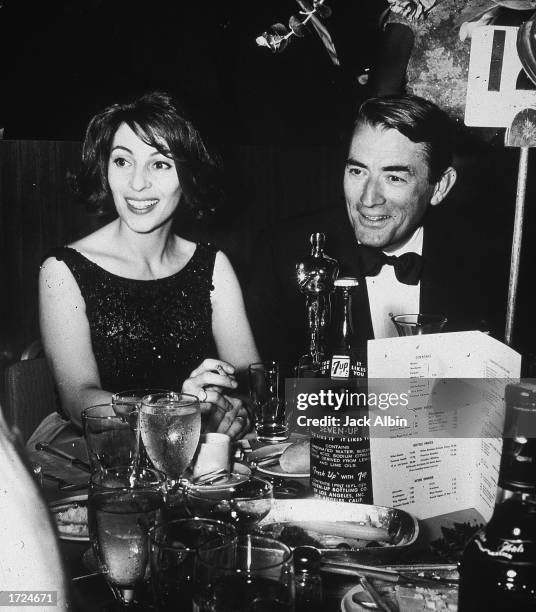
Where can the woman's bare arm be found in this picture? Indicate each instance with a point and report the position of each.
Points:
(66, 340)
(230, 324)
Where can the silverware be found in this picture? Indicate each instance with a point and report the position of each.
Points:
(368, 605)
(267, 460)
(63, 485)
(75, 462)
(375, 596)
(212, 477)
(388, 575)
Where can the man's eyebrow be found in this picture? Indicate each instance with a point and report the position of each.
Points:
(394, 168)
(399, 168)
(353, 162)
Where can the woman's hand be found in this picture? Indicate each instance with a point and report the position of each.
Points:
(227, 414)
(206, 380)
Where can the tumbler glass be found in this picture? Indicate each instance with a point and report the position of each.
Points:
(267, 393)
(417, 324)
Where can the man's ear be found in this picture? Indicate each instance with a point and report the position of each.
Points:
(443, 186)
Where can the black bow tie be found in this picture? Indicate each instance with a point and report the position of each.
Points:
(408, 267)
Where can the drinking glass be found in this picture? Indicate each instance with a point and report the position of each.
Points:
(252, 574)
(133, 397)
(267, 393)
(122, 506)
(170, 426)
(235, 498)
(417, 324)
(173, 550)
(110, 431)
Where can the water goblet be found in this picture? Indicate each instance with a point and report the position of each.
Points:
(170, 426)
(173, 550)
(110, 432)
(123, 504)
(234, 498)
(252, 574)
(133, 397)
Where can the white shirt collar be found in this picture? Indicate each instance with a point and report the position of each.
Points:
(412, 245)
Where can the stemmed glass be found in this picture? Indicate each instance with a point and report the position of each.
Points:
(122, 506)
(236, 498)
(110, 431)
(174, 545)
(170, 426)
(133, 398)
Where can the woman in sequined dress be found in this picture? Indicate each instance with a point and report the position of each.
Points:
(134, 305)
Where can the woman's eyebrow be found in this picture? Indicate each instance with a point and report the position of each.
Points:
(122, 148)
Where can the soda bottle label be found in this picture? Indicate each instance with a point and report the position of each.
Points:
(340, 366)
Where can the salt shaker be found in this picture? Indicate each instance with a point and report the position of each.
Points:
(307, 579)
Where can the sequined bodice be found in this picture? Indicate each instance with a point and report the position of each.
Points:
(147, 333)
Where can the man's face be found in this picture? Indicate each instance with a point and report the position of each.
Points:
(386, 186)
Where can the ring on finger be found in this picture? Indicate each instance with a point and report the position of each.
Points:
(206, 395)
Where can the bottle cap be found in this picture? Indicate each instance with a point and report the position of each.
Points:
(307, 559)
(346, 281)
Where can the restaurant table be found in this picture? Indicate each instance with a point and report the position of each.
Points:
(90, 593)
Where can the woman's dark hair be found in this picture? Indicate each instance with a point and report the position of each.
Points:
(418, 120)
(155, 119)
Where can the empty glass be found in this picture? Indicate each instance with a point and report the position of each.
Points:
(251, 574)
(417, 324)
(267, 393)
(173, 550)
(110, 431)
(234, 498)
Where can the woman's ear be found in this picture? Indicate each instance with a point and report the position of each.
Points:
(443, 186)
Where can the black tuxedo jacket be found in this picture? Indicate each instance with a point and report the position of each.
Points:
(464, 277)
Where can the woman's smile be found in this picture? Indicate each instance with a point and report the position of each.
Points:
(141, 207)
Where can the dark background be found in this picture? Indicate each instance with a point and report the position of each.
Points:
(280, 121)
(62, 61)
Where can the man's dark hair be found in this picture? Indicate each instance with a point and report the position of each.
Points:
(156, 120)
(418, 120)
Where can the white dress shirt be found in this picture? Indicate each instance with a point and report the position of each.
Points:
(388, 296)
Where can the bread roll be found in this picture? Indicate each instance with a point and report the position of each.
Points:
(296, 458)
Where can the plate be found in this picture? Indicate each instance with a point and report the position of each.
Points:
(339, 528)
(76, 507)
(274, 470)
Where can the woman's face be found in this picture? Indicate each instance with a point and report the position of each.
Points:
(144, 183)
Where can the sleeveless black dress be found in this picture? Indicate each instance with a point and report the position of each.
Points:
(147, 333)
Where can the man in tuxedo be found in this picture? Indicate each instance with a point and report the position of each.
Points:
(408, 255)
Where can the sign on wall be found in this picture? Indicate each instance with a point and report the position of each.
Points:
(493, 97)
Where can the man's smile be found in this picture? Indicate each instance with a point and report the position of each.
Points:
(373, 220)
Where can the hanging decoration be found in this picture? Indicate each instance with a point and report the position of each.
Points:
(278, 36)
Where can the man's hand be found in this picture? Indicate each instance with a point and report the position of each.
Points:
(229, 415)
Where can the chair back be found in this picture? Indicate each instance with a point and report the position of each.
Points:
(30, 394)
